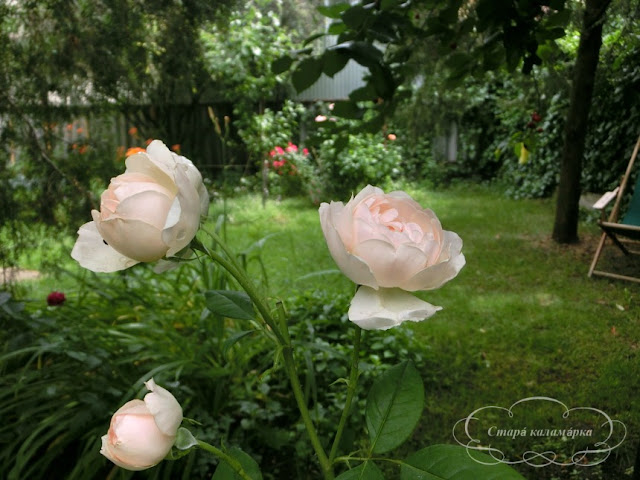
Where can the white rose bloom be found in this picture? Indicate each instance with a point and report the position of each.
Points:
(149, 212)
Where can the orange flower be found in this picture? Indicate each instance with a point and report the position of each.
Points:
(391, 137)
(69, 126)
(148, 141)
(79, 130)
(176, 148)
(133, 131)
(134, 150)
(83, 149)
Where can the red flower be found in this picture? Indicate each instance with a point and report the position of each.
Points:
(278, 163)
(291, 147)
(55, 299)
(279, 150)
(305, 151)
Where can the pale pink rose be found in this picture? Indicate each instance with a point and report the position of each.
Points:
(149, 212)
(388, 241)
(142, 432)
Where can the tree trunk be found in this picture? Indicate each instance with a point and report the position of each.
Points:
(565, 228)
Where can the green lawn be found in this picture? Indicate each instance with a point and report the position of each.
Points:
(522, 319)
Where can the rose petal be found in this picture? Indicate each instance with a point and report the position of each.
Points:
(135, 442)
(161, 174)
(386, 308)
(92, 253)
(182, 232)
(164, 407)
(133, 238)
(391, 266)
(352, 266)
(110, 452)
(435, 276)
(148, 206)
(195, 177)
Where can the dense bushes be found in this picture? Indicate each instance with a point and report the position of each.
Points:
(494, 115)
(66, 369)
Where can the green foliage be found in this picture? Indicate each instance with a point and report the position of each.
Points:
(249, 465)
(394, 407)
(86, 358)
(239, 53)
(64, 370)
(262, 132)
(449, 462)
(367, 159)
(366, 470)
(292, 173)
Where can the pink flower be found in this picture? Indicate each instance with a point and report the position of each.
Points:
(389, 245)
(321, 118)
(291, 147)
(279, 151)
(150, 211)
(55, 299)
(305, 151)
(391, 137)
(142, 432)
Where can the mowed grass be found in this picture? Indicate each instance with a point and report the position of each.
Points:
(521, 320)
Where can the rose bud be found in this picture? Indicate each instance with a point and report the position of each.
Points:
(387, 243)
(142, 432)
(55, 299)
(149, 212)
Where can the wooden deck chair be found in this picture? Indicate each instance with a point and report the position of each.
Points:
(624, 233)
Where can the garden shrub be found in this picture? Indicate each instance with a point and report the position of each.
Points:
(367, 159)
(66, 369)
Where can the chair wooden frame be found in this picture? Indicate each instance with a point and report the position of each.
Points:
(619, 233)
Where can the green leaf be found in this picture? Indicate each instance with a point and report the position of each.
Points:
(550, 34)
(184, 443)
(233, 339)
(388, 4)
(346, 109)
(362, 52)
(334, 61)
(382, 81)
(559, 19)
(452, 462)
(282, 64)
(333, 11)
(230, 303)
(306, 73)
(363, 94)
(249, 465)
(313, 37)
(336, 28)
(355, 16)
(184, 439)
(364, 471)
(394, 407)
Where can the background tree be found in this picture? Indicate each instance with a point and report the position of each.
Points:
(399, 41)
(565, 228)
